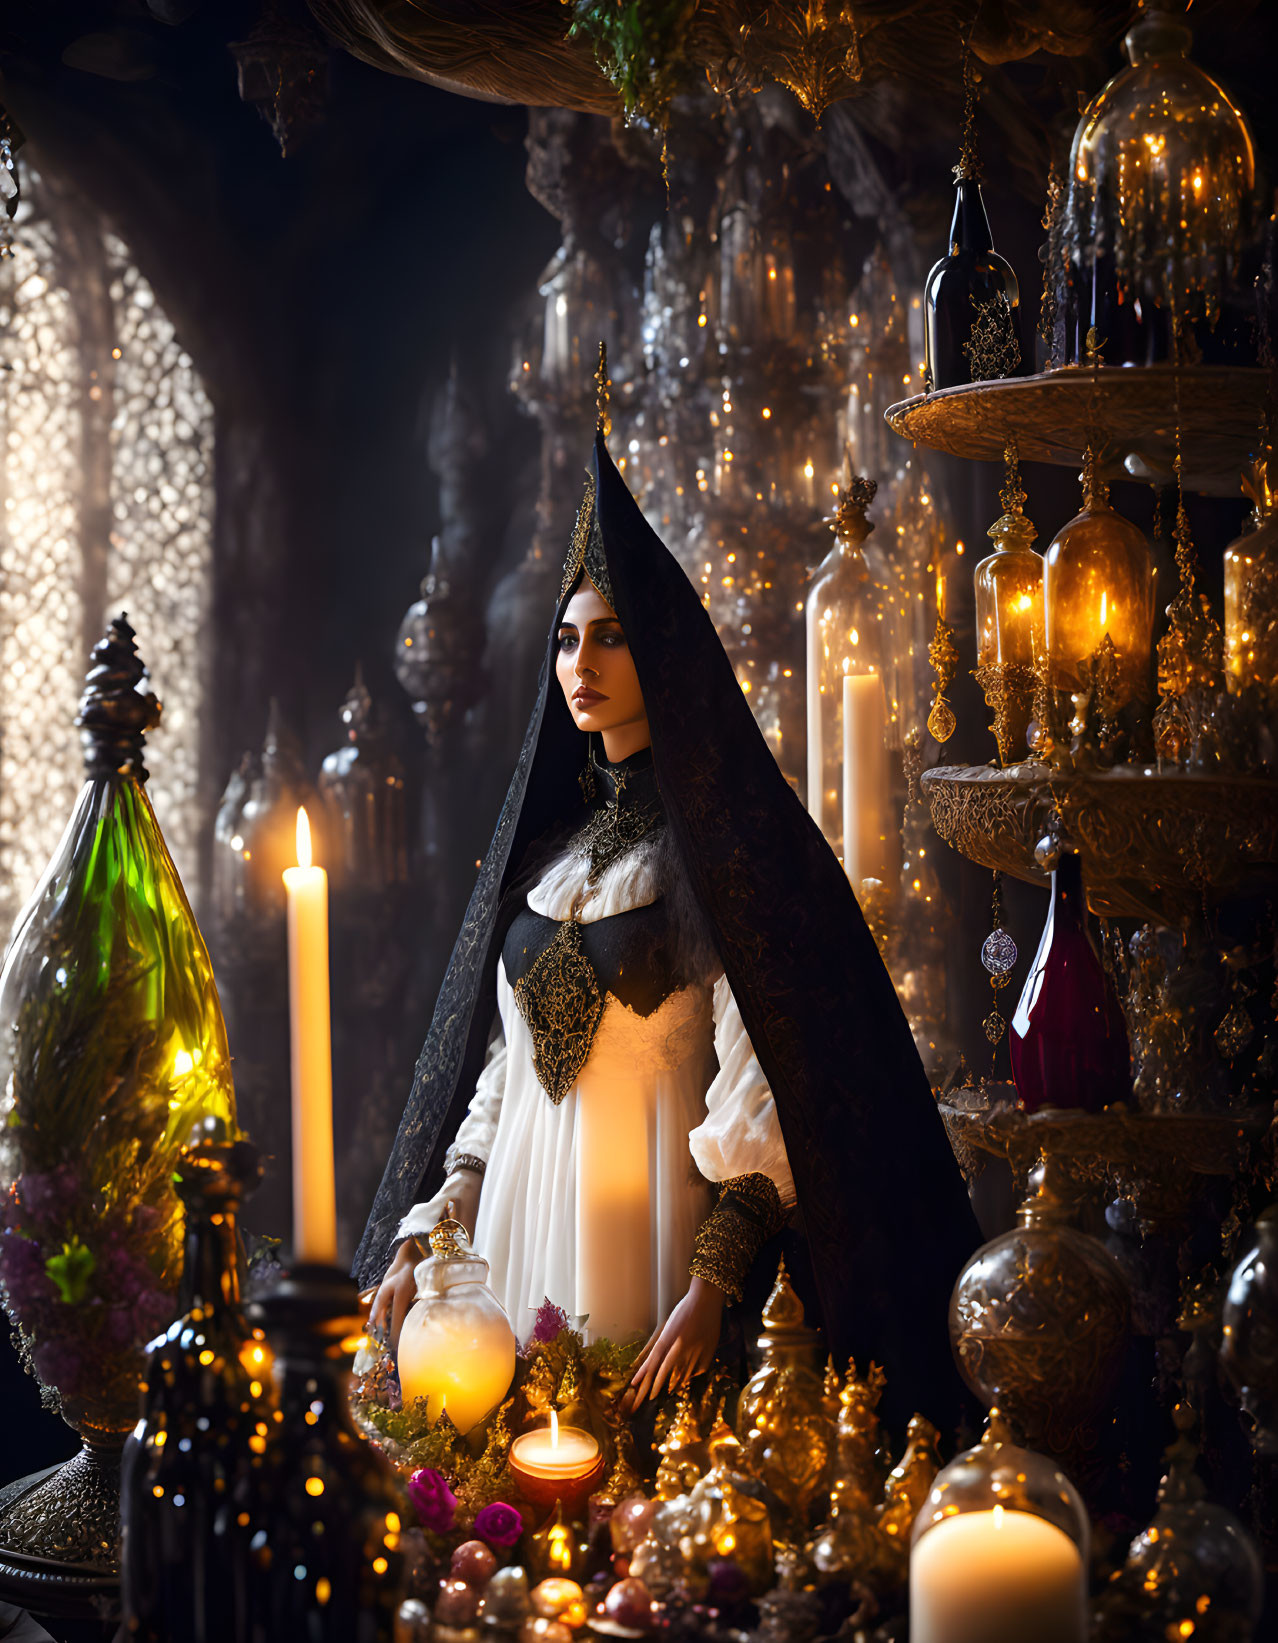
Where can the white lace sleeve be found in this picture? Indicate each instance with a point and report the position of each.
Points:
(474, 1137)
(740, 1134)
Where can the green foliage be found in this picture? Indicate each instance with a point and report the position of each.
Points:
(71, 1269)
(638, 45)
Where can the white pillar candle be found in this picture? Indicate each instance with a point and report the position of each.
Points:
(816, 748)
(865, 777)
(997, 1577)
(314, 1199)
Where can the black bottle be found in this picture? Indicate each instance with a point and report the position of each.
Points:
(971, 301)
(191, 1467)
(328, 1566)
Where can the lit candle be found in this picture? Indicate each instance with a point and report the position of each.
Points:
(997, 1577)
(555, 1453)
(865, 777)
(940, 595)
(314, 1204)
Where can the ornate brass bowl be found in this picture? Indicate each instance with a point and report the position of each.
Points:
(1151, 842)
(1133, 408)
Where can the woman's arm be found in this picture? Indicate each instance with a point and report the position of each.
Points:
(464, 1163)
(738, 1147)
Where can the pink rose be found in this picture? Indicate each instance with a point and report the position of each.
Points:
(499, 1524)
(433, 1500)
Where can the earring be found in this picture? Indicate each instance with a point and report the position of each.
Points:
(586, 780)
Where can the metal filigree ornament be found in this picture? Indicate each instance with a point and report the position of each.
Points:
(943, 655)
(560, 1000)
(998, 955)
(993, 350)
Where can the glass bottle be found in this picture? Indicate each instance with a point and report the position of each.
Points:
(1068, 1039)
(971, 301)
(1009, 618)
(847, 707)
(1251, 592)
(112, 1047)
(329, 1567)
(1098, 598)
(191, 1468)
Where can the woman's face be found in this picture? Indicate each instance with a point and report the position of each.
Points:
(596, 673)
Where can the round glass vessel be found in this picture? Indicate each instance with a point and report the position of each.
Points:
(1038, 1320)
(999, 1550)
(1249, 1347)
(1251, 594)
(1098, 593)
(1161, 177)
(457, 1348)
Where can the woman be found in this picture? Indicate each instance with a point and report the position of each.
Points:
(682, 975)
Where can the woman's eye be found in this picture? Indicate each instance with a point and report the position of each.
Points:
(612, 640)
(567, 641)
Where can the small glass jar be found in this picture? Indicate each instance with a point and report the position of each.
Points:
(456, 1348)
(999, 1550)
(1098, 597)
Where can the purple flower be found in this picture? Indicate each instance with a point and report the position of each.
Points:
(58, 1364)
(550, 1321)
(434, 1501)
(45, 1192)
(499, 1524)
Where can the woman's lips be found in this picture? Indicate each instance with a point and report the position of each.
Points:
(585, 697)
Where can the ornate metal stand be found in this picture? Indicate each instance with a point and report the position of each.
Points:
(1053, 415)
(1151, 842)
(58, 1536)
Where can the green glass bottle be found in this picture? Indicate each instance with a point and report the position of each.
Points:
(112, 1049)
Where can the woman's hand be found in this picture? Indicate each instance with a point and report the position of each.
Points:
(685, 1345)
(396, 1293)
(398, 1289)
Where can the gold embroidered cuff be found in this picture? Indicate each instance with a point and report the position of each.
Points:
(747, 1214)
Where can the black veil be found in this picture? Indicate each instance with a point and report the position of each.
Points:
(881, 1200)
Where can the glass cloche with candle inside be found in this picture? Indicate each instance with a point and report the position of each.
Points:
(1009, 617)
(999, 1549)
(1251, 590)
(457, 1348)
(1098, 596)
(845, 627)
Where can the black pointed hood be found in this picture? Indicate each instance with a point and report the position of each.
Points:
(880, 1196)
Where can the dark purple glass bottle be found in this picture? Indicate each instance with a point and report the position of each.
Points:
(1068, 1039)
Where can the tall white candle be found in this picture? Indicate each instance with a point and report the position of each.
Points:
(816, 748)
(314, 1198)
(997, 1577)
(865, 777)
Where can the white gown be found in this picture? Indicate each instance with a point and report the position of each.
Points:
(594, 1204)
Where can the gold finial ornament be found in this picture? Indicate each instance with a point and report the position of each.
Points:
(848, 1544)
(449, 1240)
(684, 1454)
(602, 384)
(787, 1435)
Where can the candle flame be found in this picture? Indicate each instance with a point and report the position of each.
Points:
(998, 1517)
(1104, 606)
(554, 1430)
(303, 839)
